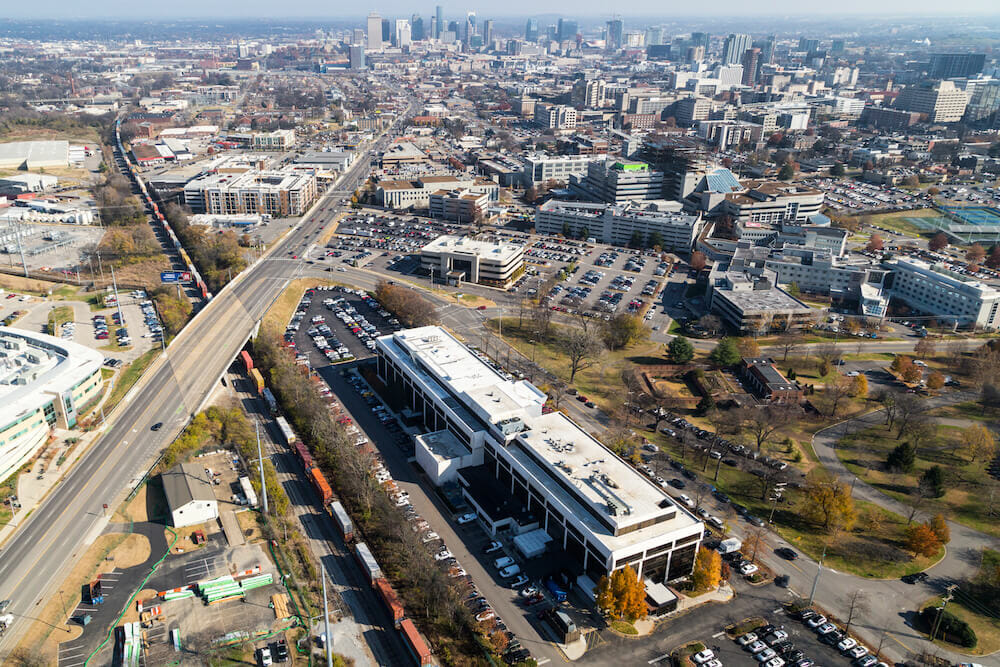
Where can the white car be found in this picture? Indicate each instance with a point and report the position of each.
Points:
(520, 581)
(429, 537)
(765, 655)
(857, 652)
(846, 644)
(775, 637)
(747, 569)
(816, 621)
(702, 657)
(501, 563)
(748, 638)
(826, 628)
(686, 500)
(466, 518)
(756, 646)
(713, 663)
(775, 662)
(444, 554)
(510, 571)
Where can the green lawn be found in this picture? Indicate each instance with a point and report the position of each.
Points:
(899, 223)
(968, 498)
(59, 316)
(873, 549)
(129, 377)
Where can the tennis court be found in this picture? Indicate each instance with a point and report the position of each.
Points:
(973, 215)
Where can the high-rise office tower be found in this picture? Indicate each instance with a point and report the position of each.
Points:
(439, 14)
(531, 31)
(357, 55)
(766, 47)
(734, 48)
(654, 36)
(567, 30)
(402, 34)
(616, 33)
(700, 39)
(434, 31)
(808, 45)
(751, 64)
(358, 36)
(487, 32)
(951, 65)
(469, 27)
(417, 33)
(453, 27)
(551, 33)
(374, 31)
(386, 31)
(838, 47)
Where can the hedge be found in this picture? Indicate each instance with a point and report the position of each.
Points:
(951, 629)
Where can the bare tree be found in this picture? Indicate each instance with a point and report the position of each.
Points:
(762, 423)
(888, 400)
(581, 347)
(908, 406)
(557, 392)
(754, 540)
(858, 604)
(836, 391)
(710, 323)
(788, 341)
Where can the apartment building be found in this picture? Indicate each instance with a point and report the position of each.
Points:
(463, 206)
(617, 224)
(279, 140)
(940, 102)
(555, 116)
(277, 193)
(531, 473)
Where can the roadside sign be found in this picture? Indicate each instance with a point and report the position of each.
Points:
(175, 277)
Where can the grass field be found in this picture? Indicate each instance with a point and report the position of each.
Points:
(59, 316)
(987, 628)
(900, 221)
(969, 488)
(129, 377)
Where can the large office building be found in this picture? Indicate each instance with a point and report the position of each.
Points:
(462, 259)
(754, 202)
(555, 116)
(541, 167)
(617, 181)
(950, 297)
(278, 140)
(734, 47)
(940, 102)
(753, 304)
(277, 193)
(618, 224)
(45, 383)
(463, 206)
(374, 32)
(955, 65)
(528, 472)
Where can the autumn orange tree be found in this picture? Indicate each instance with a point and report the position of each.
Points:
(859, 386)
(829, 502)
(707, 571)
(940, 527)
(978, 442)
(935, 381)
(622, 595)
(922, 540)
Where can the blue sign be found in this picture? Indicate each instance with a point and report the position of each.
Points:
(175, 277)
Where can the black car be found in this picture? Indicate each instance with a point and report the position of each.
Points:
(765, 630)
(687, 473)
(915, 578)
(804, 614)
(781, 580)
(781, 648)
(792, 656)
(516, 657)
(677, 483)
(755, 521)
(786, 553)
(157, 426)
(280, 652)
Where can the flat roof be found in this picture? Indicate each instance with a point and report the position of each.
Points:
(603, 492)
(443, 445)
(500, 252)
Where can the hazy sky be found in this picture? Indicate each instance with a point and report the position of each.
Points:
(720, 9)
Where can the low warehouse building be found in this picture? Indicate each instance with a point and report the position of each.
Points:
(189, 495)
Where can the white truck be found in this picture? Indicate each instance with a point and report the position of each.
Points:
(730, 545)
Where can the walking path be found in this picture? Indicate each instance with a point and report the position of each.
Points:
(961, 559)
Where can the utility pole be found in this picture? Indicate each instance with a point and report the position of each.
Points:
(260, 461)
(776, 494)
(947, 599)
(118, 302)
(819, 570)
(326, 620)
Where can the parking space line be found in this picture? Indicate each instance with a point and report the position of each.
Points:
(718, 634)
(656, 660)
(778, 610)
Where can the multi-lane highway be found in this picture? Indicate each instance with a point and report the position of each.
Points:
(38, 556)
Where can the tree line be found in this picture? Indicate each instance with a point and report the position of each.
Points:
(217, 254)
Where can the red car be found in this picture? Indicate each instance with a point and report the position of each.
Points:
(582, 398)
(481, 308)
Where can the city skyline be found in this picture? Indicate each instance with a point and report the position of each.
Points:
(186, 9)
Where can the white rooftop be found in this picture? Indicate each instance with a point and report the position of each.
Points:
(461, 245)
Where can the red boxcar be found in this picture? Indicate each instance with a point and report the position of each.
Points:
(418, 647)
(321, 485)
(247, 361)
(391, 600)
(304, 456)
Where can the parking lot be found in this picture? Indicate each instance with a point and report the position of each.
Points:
(856, 197)
(335, 324)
